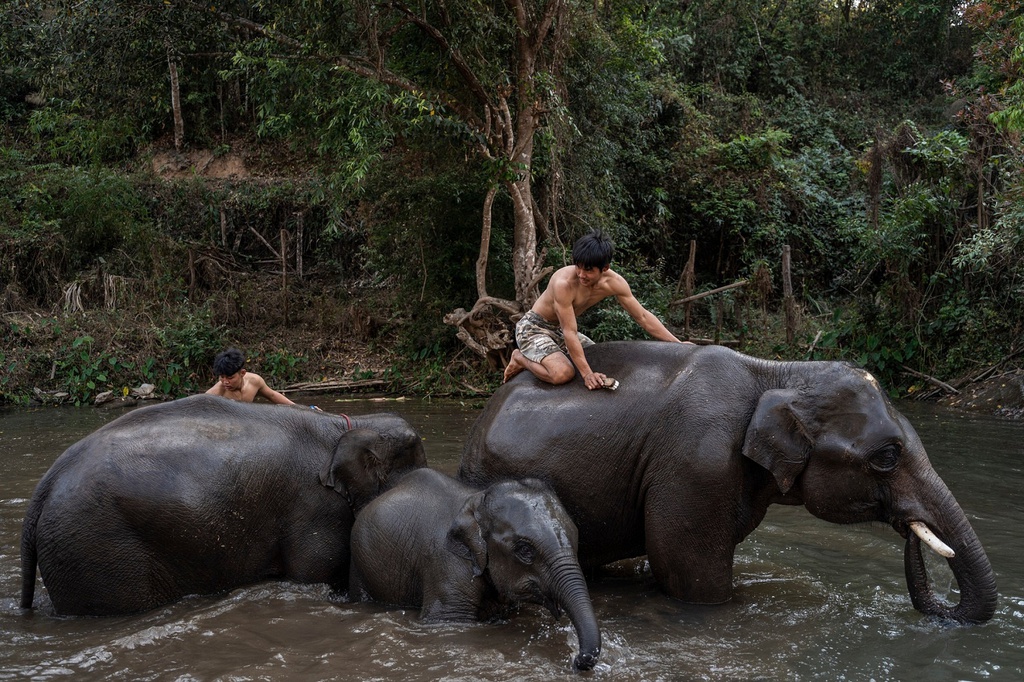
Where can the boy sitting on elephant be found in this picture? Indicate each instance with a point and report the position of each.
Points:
(549, 343)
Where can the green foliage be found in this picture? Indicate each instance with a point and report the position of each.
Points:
(742, 126)
(63, 133)
(60, 222)
(999, 59)
(281, 366)
(83, 373)
(883, 350)
(191, 344)
(16, 21)
(430, 262)
(7, 385)
(609, 322)
(111, 57)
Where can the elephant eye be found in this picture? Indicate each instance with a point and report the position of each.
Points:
(886, 459)
(524, 552)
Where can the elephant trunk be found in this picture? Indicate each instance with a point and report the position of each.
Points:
(570, 592)
(970, 566)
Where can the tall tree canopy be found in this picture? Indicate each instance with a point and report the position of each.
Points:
(880, 139)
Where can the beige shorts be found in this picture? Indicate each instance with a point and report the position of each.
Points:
(537, 338)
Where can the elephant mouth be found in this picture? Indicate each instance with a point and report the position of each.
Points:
(552, 606)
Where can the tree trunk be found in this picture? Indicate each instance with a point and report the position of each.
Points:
(179, 123)
(511, 140)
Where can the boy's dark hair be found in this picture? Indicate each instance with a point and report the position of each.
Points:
(593, 250)
(228, 362)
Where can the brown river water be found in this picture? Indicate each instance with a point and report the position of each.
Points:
(813, 601)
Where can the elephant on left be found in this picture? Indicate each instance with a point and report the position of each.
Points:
(202, 495)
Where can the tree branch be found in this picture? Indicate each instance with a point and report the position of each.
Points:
(453, 54)
(362, 66)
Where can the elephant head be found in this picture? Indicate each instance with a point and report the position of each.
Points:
(522, 541)
(365, 462)
(839, 447)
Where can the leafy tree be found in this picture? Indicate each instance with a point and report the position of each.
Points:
(115, 58)
(481, 74)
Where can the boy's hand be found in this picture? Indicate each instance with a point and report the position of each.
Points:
(594, 380)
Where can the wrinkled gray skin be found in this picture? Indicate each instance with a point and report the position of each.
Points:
(463, 553)
(202, 495)
(683, 460)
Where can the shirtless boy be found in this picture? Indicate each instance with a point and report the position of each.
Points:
(235, 383)
(549, 343)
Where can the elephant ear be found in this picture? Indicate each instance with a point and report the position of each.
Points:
(778, 437)
(466, 537)
(355, 469)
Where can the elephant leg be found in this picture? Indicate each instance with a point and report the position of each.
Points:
(691, 556)
(443, 601)
(357, 590)
(106, 592)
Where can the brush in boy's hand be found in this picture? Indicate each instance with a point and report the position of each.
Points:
(611, 384)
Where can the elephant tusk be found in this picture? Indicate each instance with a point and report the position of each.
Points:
(928, 537)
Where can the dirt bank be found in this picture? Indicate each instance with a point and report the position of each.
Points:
(1002, 395)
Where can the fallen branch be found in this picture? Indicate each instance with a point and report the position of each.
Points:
(688, 299)
(259, 236)
(931, 380)
(732, 343)
(810, 351)
(473, 389)
(333, 385)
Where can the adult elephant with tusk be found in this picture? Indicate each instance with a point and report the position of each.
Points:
(683, 460)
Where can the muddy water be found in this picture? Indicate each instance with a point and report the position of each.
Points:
(813, 601)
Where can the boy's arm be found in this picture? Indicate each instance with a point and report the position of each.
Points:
(645, 318)
(270, 394)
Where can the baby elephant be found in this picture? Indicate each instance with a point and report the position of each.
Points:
(462, 553)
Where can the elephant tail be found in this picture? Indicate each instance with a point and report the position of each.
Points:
(28, 567)
(29, 559)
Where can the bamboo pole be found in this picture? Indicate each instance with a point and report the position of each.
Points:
(787, 296)
(686, 282)
(695, 297)
(299, 229)
(284, 274)
(272, 250)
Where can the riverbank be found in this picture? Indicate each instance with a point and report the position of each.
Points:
(1001, 395)
(118, 358)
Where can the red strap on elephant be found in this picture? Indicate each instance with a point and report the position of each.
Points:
(347, 421)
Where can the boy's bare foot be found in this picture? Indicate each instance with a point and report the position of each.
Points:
(514, 366)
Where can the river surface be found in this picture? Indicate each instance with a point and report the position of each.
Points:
(813, 601)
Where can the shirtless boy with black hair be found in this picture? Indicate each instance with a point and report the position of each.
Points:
(235, 383)
(549, 343)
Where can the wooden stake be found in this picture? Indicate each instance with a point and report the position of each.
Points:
(787, 296)
(299, 227)
(284, 273)
(687, 280)
(223, 227)
(179, 122)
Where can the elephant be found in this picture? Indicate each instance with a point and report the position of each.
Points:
(462, 553)
(202, 495)
(683, 460)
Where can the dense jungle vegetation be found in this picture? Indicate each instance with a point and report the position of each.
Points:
(373, 190)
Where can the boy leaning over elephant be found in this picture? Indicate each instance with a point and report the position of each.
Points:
(549, 343)
(236, 383)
